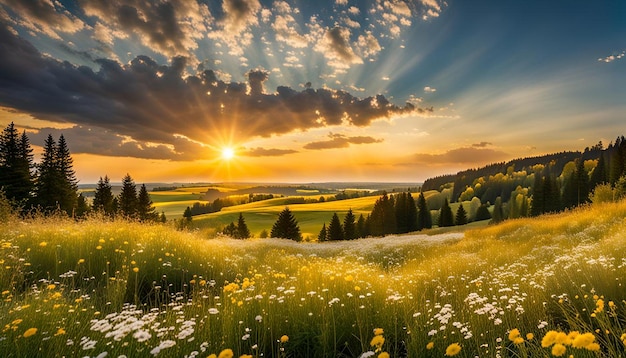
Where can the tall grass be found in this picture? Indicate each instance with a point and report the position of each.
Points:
(86, 288)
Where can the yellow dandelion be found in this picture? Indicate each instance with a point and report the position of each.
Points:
(518, 340)
(226, 353)
(81, 261)
(98, 247)
(43, 244)
(245, 356)
(16, 322)
(599, 306)
(378, 331)
(51, 286)
(594, 347)
(212, 356)
(202, 282)
(135, 269)
(561, 338)
(549, 339)
(514, 333)
(349, 278)
(558, 350)
(623, 338)
(56, 295)
(453, 349)
(60, 332)
(30, 332)
(583, 340)
(383, 355)
(430, 345)
(5, 292)
(377, 342)
(530, 336)
(284, 339)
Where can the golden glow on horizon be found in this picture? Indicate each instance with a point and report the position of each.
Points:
(228, 153)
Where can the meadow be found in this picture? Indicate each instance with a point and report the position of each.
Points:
(548, 286)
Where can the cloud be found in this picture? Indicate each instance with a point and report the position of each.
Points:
(152, 103)
(466, 155)
(170, 27)
(481, 144)
(40, 16)
(429, 89)
(612, 58)
(341, 141)
(263, 152)
(239, 17)
(335, 45)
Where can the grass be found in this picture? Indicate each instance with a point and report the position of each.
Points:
(85, 288)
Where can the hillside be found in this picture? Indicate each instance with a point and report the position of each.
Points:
(85, 288)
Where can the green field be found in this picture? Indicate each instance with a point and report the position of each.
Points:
(548, 286)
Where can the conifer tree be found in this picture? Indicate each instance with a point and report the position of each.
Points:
(461, 216)
(335, 231)
(360, 227)
(498, 211)
(537, 206)
(128, 198)
(103, 197)
(67, 177)
(411, 213)
(286, 226)
(82, 208)
(598, 176)
(483, 213)
(402, 224)
(263, 234)
(230, 230)
(162, 217)
(321, 237)
(242, 228)
(445, 215)
(145, 209)
(349, 226)
(16, 165)
(424, 218)
(48, 181)
(187, 215)
(582, 183)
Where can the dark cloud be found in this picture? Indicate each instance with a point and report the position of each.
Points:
(481, 144)
(256, 79)
(263, 152)
(341, 141)
(467, 155)
(42, 16)
(150, 102)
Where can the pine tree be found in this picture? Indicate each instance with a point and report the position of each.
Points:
(461, 216)
(582, 183)
(335, 231)
(47, 190)
(242, 229)
(598, 176)
(445, 215)
(402, 224)
(349, 226)
(321, 237)
(230, 230)
(103, 197)
(424, 218)
(145, 209)
(498, 212)
(16, 165)
(411, 213)
(68, 182)
(263, 234)
(187, 215)
(286, 226)
(483, 213)
(128, 198)
(82, 208)
(360, 227)
(537, 206)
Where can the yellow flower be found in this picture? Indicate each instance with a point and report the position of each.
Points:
(623, 338)
(5, 292)
(30, 332)
(514, 334)
(383, 355)
(245, 356)
(453, 349)
(530, 336)
(558, 350)
(378, 331)
(583, 340)
(561, 338)
(212, 356)
(43, 244)
(594, 347)
(518, 340)
(135, 269)
(51, 286)
(549, 339)
(98, 247)
(202, 282)
(81, 261)
(226, 353)
(599, 306)
(16, 322)
(60, 331)
(430, 345)
(377, 341)
(284, 339)
(349, 278)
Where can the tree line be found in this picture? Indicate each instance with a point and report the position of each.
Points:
(51, 185)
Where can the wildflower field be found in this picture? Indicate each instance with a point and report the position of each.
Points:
(549, 286)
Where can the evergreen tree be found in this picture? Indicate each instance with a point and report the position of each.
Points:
(383, 218)
(263, 234)
(598, 176)
(349, 226)
(187, 215)
(582, 183)
(461, 216)
(242, 229)
(411, 213)
(230, 230)
(82, 208)
(390, 225)
(537, 206)
(286, 226)
(16, 165)
(47, 190)
(552, 195)
(402, 224)
(445, 215)
(424, 218)
(162, 218)
(103, 197)
(498, 212)
(67, 177)
(483, 213)
(335, 231)
(145, 209)
(128, 198)
(321, 237)
(360, 227)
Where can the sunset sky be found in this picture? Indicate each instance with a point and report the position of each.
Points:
(305, 91)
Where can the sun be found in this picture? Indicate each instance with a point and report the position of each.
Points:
(228, 153)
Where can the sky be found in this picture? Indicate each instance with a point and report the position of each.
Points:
(310, 91)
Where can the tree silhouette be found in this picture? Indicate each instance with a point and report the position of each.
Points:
(16, 165)
(67, 176)
(103, 197)
(445, 215)
(286, 226)
(349, 226)
(482, 213)
(47, 188)
(361, 230)
(335, 231)
(321, 237)
(242, 229)
(424, 218)
(128, 198)
(461, 216)
(498, 212)
(145, 209)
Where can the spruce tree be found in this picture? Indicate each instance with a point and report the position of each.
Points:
(187, 215)
(286, 226)
(242, 228)
(128, 198)
(483, 213)
(349, 226)
(335, 231)
(230, 230)
(582, 183)
(47, 190)
(145, 209)
(400, 208)
(321, 237)
(411, 213)
(360, 227)
(103, 197)
(537, 206)
(461, 216)
(445, 215)
(16, 165)
(67, 177)
(82, 208)
(424, 218)
(598, 176)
